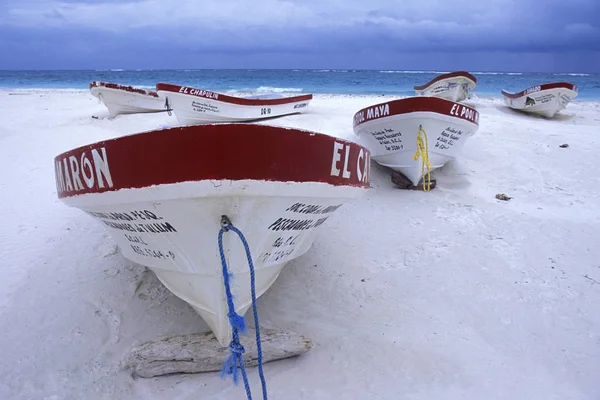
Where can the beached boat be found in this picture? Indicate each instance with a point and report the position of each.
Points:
(415, 135)
(123, 99)
(198, 106)
(545, 100)
(162, 196)
(453, 86)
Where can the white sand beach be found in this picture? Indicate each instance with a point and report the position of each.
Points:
(450, 294)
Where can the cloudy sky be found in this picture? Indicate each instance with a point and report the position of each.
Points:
(493, 35)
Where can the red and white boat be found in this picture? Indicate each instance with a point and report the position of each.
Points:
(545, 100)
(415, 135)
(123, 99)
(453, 86)
(198, 106)
(161, 196)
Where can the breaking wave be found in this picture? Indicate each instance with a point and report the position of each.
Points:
(267, 89)
(413, 72)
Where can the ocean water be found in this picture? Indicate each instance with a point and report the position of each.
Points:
(489, 84)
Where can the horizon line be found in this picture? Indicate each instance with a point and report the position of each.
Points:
(285, 69)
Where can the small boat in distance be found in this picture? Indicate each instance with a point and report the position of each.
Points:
(123, 99)
(453, 86)
(545, 100)
(416, 135)
(198, 106)
(162, 195)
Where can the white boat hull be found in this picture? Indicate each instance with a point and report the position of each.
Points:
(122, 102)
(167, 237)
(172, 228)
(193, 109)
(444, 136)
(454, 88)
(392, 139)
(546, 103)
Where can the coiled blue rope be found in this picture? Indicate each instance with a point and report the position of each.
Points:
(235, 360)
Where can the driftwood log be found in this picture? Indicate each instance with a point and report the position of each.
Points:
(201, 352)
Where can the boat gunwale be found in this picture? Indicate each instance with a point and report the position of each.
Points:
(542, 87)
(204, 153)
(448, 75)
(126, 88)
(220, 97)
(418, 104)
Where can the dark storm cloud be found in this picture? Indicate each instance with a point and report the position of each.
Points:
(337, 29)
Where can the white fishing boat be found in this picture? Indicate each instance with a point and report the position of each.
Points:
(545, 100)
(163, 196)
(415, 135)
(198, 106)
(123, 99)
(453, 86)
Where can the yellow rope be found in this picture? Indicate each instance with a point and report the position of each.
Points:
(423, 152)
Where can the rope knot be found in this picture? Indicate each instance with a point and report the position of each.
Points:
(234, 362)
(236, 348)
(237, 321)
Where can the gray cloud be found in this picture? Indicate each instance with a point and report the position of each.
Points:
(314, 27)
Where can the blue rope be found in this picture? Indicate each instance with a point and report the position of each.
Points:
(235, 360)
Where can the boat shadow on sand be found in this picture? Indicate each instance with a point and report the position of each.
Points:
(106, 116)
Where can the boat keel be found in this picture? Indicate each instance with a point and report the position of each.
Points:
(404, 183)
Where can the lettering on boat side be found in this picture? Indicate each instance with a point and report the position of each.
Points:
(134, 221)
(281, 249)
(370, 113)
(448, 138)
(541, 98)
(302, 208)
(341, 150)
(290, 231)
(565, 98)
(533, 89)
(301, 105)
(137, 226)
(265, 111)
(389, 138)
(464, 112)
(288, 224)
(204, 107)
(77, 173)
(443, 87)
(199, 93)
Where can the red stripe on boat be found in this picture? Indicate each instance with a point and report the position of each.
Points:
(123, 87)
(211, 152)
(446, 76)
(190, 91)
(539, 88)
(415, 104)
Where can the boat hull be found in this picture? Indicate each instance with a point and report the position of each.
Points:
(540, 101)
(119, 101)
(455, 87)
(278, 186)
(196, 106)
(392, 138)
(166, 235)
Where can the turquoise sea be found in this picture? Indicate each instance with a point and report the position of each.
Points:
(373, 82)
